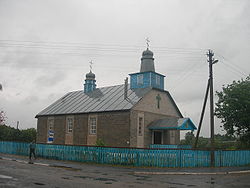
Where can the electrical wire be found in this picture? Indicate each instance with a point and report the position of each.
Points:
(233, 67)
(74, 44)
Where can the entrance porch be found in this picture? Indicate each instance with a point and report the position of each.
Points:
(167, 131)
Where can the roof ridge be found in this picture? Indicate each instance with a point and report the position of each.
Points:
(100, 87)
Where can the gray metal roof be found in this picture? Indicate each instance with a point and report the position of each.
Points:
(172, 123)
(100, 100)
(164, 123)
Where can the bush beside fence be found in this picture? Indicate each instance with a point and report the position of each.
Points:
(176, 158)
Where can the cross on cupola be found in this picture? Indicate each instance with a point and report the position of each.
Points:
(90, 84)
(90, 65)
(158, 98)
(147, 42)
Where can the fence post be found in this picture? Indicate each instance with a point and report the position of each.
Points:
(137, 159)
(212, 161)
(180, 158)
(220, 157)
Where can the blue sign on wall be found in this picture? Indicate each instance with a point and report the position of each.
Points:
(50, 136)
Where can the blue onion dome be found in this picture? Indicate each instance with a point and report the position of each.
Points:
(90, 75)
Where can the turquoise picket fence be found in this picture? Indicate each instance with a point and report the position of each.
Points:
(177, 158)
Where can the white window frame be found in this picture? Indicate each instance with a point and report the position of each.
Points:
(50, 124)
(140, 79)
(70, 124)
(92, 125)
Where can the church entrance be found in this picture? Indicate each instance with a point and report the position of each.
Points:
(157, 137)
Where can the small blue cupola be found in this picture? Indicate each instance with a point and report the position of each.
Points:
(147, 77)
(89, 84)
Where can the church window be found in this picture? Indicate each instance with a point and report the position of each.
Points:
(140, 79)
(140, 126)
(158, 79)
(69, 124)
(51, 124)
(92, 125)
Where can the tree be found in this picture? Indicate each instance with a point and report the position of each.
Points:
(233, 107)
(189, 138)
(2, 118)
(11, 134)
(221, 141)
(28, 135)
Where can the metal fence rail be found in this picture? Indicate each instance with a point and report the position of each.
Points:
(176, 158)
(170, 146)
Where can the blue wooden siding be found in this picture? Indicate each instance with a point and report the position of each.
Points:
(132, 156)
(149, 80)
(89, 85)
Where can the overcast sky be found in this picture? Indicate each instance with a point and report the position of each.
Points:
(46, 47)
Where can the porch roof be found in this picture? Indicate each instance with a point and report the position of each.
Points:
(172, 123)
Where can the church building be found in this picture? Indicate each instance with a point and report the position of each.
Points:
(135, 114)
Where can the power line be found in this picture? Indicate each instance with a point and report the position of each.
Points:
(231, 65)
(194, 67)
(42, 44)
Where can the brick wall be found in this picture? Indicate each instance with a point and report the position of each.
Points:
(80, 130)
(113, 128)
(59, 129)
(41, 130)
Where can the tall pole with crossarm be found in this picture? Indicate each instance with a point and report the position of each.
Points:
(211, 61)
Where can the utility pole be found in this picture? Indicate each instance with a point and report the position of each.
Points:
(211, 61)
(17, 124)
(202, 114)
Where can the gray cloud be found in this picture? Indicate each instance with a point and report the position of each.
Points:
(113, 34)
(50, 80)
